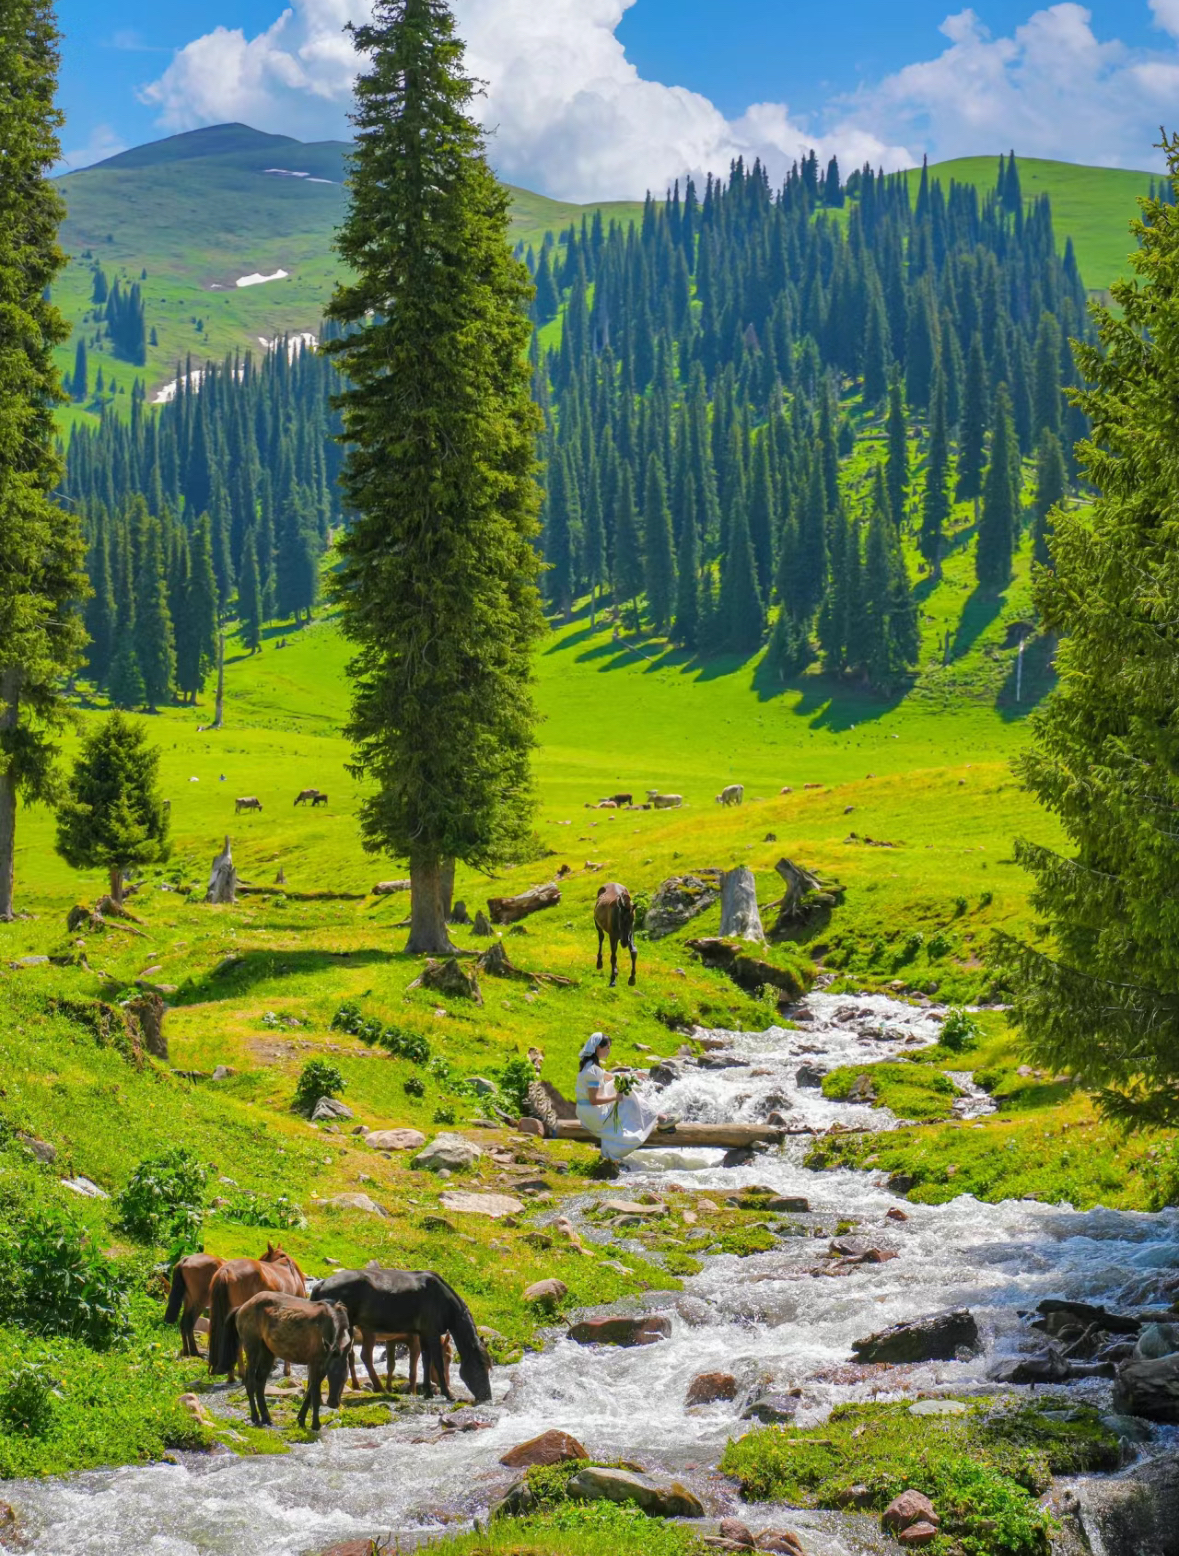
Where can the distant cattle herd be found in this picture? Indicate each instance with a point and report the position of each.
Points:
(252, 802)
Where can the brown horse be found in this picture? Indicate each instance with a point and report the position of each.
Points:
(614, 915)
(273, 1325)
(239, 1280)
(191, 1278)
(369, 1337)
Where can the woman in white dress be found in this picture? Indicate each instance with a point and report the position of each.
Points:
(622, 1123)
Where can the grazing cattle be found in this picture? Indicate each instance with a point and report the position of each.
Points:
(306, 794)
(368, 1339)
(246, 804)
(274, 1325)
(235, 1283)
(667, 801)
(732, 794)
(192, 1277)
(417, 1302)
(623, 799)
(614, 915)
(320, 799)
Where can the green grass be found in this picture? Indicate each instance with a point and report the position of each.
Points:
(982, 1470)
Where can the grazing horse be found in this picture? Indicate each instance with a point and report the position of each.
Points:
(614, 915)
(306, 794)
(368, 1339)
(273, 1325)
(236, 1282)
(191, 1278)
(413, 1302)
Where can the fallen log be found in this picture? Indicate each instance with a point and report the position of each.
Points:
(508, 910)
(724, 1137)
(496, 963)
(301, 896)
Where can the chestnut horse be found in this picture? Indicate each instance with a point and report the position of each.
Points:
(191, 1278)
(369, 1337)
(236, 1282)
(614, 915)
(273, 1325)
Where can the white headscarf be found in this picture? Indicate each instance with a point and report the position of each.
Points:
(592, 1044)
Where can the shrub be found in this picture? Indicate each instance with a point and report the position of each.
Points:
(985, 899)
(318, 1079)
(53, 1281)
(26, 1400)
(910, 947)
(163, 1200)
(940, 944)
(402, 1044)
(959, 906)
(248, 1208)
(406, 1045)
(960, 1031)
(414, 1086)
(642, 902)
(444, 1115)
(514, 1080)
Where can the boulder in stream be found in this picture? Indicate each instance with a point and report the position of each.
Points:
(551, 1447)
(772, 1406)
(1149, 1388)
(780, 1540)
(937, 1338)
(659, 1501)
(1157, 1341)
(809, 1075)
(706, 1388)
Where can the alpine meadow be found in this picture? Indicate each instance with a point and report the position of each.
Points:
(425, 606)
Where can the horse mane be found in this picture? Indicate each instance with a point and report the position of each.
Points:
(459, 1322)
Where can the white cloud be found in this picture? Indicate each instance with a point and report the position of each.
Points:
(567, 111)
(1051, 89)
(103, 143)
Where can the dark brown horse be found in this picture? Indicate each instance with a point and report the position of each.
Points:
(614, 915)
(368, 1338)
(192, 1277)
(235, 1283)
(275, 1326)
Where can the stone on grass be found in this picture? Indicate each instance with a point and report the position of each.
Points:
(494, 1205)
(937, 1407)
(449, 1152)
(529, 1126)
(706, 1388)
(546, 1293)
(660, 1501)
(395, 1139)
(222, 1072)
(328, 1109)
(552, 1447)
(678, 900)
(738, 1533)
(85, 1187)
(911, 1507)
(642, 1329)
(937, 1338)
(917, 1535)
(356, 1202)
(41, 1149)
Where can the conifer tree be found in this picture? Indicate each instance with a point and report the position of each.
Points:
(125, 682)
(548, 300)
(101, 615)
(761, 515)
(972, 443)
(41, 549)
(898, 454)
(1047, 400)
(687, 606)
(935, 505)
(196, 646)
(438, 570)
(80, 382)
(1099, 996)
(1051, 484)
(876, 349)
(660, 551)
(629, 570)
(997, 525)
(593, 554)
(155, 644)
(559, 533)
(249, 596)
(741, 607)
(113, 815)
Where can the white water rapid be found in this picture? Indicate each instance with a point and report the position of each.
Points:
(765, 1317)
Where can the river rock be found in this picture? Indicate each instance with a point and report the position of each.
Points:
(328, 1109)
(771, 1406)
(862, 1090)
(529, 1126)
(673, 1501)
(395, 1139)
(1050, 1367)
(917, 1535)
(1157, 1341)
(552, 1447)
(679, 899)
(1129, 1428)
(809, 1075)
(736, 1533)
(642, 1329)
(494, 1205)
(780, 1540)
(706, 1388)
(1149, 1388)
(546, 1294)
(664, 1073)
(1136, 1513)
(451, 1151)
(516, 1503)
(911, 1507)
(938, 1338)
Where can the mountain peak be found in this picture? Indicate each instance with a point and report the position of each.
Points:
(214, 140)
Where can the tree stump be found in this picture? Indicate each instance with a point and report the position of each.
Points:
(148, 1010)
(739, 915)
(483, 925)
(459, 914)
(449, 977)
(507, 910)
(223, 880)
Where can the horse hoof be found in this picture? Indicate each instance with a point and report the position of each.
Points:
(631, 981)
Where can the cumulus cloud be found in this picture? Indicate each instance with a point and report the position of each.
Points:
(567, 112)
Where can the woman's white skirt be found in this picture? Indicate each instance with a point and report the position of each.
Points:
(620, 1126)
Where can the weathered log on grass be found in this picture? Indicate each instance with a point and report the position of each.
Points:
(508, 910)
(390, 888)
(724, 1137)
(301, 896)
(222, 889)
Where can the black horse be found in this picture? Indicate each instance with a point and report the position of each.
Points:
(414, 1302)
(614, 915)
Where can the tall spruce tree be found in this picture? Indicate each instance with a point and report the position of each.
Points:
(1051, 485)
(79, 386)
(743, 616)
(660, 548)
(154, 637)
(1099, 997)
(997, 525)
(593, 542)
(41, 549)
(629, 571)
(898, 454)
(113, 815)
(687, 602)
(972, 442)
(249, 596)
(935, 505)
(559, 533)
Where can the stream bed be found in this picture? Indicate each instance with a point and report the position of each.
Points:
(768, 1319)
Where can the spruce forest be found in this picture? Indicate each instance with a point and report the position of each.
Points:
(703, 376)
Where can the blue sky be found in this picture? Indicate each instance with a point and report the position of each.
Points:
(582, 91)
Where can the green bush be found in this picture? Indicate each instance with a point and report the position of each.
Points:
(514, 1080)
(642, 904)
(960, 1031)
(414, 1087)
(272, 1210)
(318, 1078)
(444, 1115)
(26, 1400)
(163, 1200)
(53, 1281)
(402, 1044)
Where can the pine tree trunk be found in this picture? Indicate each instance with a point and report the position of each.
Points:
(428, 932)
(593, 607)
(219, 708)
(116, 884)
(447, 887)
(9, 712)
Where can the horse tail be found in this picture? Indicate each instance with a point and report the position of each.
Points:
(221, 1355)
(176, 1295)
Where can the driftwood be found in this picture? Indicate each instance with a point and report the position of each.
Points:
(496, 964)
(301, 896)
(390, 888)
(507, 910)
(222, 888)
(739, 915)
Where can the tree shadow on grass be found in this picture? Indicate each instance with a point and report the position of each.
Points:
(1039, 678)
(978, 613)
(257, 967)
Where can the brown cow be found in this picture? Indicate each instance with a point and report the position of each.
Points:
(249, 803)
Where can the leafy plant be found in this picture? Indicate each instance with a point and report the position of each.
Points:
(318, 1078)
(54, 1281)
(444, 1115)
(163, 1200)
(248, 1208)
(642, 905)
(985, 899)
(514, 1080)
(402, 1044)
(26, 1400)
(414, 1086)
(940, 944)
(960, 1031)
(910, 946)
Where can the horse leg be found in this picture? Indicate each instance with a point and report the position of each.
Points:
(435, 1363)
(352, 1365)
(601, 938)
(311, 1397)
(188, 1345)
(262, 1371)
(415, 1351)
(634, 962)
(366, 1352)
(613, 958)
(390, 1365)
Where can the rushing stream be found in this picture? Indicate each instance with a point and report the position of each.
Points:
(767, 1318)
